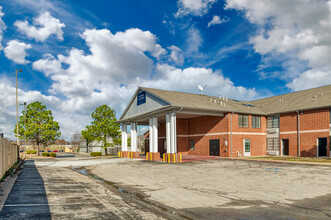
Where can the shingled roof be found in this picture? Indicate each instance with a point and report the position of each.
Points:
(297, 101)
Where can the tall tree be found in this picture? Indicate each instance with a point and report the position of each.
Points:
(88, 136)
(104, 126)
(37, 124)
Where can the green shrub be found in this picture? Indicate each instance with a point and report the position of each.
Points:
(95, 154)
(45, 154)
(52, 154)
(31, 151)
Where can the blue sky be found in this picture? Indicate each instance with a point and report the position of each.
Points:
(77, 55)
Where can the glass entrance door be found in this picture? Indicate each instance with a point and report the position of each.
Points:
(247, 147)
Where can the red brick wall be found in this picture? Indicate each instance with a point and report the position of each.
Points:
(195, 128)
(309, 120)
(258, 142)
(199, 126)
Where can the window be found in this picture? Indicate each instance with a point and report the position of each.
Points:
(192, 144)
(273, 121)
(256, 121)
(272, 144)
(243, 121)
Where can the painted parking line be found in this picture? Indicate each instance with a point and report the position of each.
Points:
(32, 205)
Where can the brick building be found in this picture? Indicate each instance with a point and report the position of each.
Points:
(294, 124)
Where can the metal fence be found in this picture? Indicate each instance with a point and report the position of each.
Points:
(8, 155)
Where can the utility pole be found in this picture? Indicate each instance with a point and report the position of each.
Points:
(17, 139)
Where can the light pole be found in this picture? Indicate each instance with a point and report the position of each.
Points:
(24, 120)
(18, 143)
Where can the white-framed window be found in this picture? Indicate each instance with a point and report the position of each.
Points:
(273, 121)
(256, 121)
(243, 121)
(272, 143)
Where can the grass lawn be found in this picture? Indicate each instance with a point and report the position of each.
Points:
(299, 159)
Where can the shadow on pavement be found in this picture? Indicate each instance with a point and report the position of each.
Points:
(27, 199)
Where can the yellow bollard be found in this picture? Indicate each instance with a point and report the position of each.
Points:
(119, 154)
(174, 158)
(180, 157)
(168, 158)
(147, 156)
(151, 156)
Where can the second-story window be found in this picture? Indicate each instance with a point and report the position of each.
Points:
(256, 121)
(273, 121)
(243, 121)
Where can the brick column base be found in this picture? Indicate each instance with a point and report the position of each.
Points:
(170, 158)
(153, 156)
(134, 154)
(124, 153)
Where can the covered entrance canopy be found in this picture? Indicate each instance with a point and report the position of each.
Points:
(153, 107)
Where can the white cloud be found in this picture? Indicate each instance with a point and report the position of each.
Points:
(217, 20)
(8, 103)
(193, 42)
(116, 65)
(193, 7)
(43, 26)
(2, 27)
(176, 55)
(16, 51)
(300, 27)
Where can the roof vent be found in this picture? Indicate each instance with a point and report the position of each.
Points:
(314, 96)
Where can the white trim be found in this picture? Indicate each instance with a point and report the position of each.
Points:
(305, 131)
(220, 133)
(289, 132)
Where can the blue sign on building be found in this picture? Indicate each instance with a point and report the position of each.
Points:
(141, 98)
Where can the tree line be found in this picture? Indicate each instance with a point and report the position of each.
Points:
(38, 126)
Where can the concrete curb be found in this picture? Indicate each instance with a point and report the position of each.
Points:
(280, 161)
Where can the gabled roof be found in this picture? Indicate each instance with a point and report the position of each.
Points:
(297, 101)
(204, 102)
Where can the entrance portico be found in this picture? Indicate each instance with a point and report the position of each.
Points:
(162, 117)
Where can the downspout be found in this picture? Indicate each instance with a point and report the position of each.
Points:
(231, 135)
(298, 133)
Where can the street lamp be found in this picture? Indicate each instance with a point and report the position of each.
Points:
(18, 143)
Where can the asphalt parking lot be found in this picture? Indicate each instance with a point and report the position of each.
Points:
(80, 187)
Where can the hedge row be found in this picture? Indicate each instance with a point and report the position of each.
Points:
(95, 154)
(31, 151)
(45, 154)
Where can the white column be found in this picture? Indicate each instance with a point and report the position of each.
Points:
(168, 136)
(173, 136)
(122, 129)
(151, 135)
(125, 138)
(134, 137)
(155, 136)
